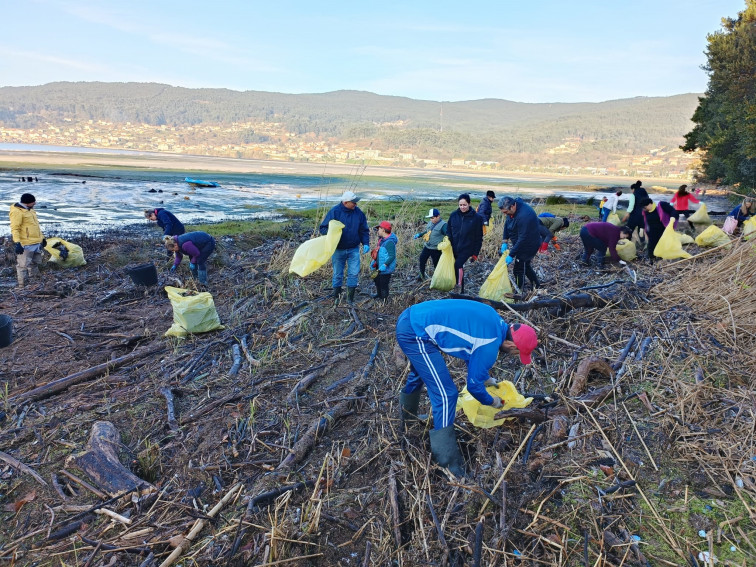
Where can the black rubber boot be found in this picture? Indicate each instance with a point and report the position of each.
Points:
(336, 292)
(445, 450)
(600, 260)
(350, 294)
(409, 403)
(585, 259)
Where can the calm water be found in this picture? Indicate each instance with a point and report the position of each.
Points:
(93, 199)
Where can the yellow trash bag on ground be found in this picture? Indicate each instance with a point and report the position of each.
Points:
(712, 236)
(483, 416)
(444, 278)
(749, 228)
(685, 238)
(626, 250)
(497, 284)
(65, 254)
(193, 312)
(316, 252)
(701, 216)
(614, 219)
(669, 246)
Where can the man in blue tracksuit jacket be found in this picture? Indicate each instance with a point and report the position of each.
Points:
(355, 233)
(463, 329)
(167, 221)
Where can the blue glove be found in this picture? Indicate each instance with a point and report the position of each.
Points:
(417, 235)
(382, 268)
(192, 267)
(504, 248)
(365, 248)
(509, 260)
(173, 268)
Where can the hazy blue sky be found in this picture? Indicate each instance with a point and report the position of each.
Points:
(531, 51)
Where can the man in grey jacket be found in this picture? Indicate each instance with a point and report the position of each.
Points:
(436, 230)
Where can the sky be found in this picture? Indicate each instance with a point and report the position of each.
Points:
(524, 50)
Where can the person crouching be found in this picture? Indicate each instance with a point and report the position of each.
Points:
(198, 246)
(384, 259)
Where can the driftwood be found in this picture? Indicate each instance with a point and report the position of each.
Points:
(580, 381)
(317, 427)
(62, 384)
(307, 381)
(536, 415)
(245, 349)
(562, 305)
(394, 499)
(168, 395)
(236, 351)
(625, 352)
(100, 462)
(18, 465)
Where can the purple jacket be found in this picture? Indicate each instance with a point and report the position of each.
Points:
(607, 233)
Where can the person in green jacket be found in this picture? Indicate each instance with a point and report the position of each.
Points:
(435, 231)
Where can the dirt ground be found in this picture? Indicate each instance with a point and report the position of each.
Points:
(639, 449)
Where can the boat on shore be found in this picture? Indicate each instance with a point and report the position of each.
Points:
(200, 182)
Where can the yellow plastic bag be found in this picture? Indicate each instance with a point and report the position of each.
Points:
(749, 228)
(483, 416)
(497, 284)
(316, 252)
(444, 278)
(712, 236)
(701, 216)
(614, 219)
(192, 312)
(74, 256)
(685, 238)
(669, 246)
(625, 250)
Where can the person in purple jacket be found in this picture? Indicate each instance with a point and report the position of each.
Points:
(599, 236)
(198, 246)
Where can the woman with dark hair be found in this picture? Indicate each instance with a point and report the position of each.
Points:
(634, 216)
(682, 199)
(610, 206)
(465, 232)
(656, 217)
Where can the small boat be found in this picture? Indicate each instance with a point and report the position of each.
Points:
(200, 182)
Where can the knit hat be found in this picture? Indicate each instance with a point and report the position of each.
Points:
(28, 198)
(566, 222)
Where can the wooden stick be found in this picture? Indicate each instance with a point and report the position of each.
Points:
(245, 349)
(632, 421)
(394, 499)
(503, 514)
(62, 384)
(199, 524)
(168, 394)
(509, 466)
(234, 370)
(366, 560)
(16, 464)
(439, 530)
(478, 549)
(114, 515)
(84, 483)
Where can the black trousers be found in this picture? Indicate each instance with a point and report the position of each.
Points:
(425, 253)
(653, 240)
(382, 282)
(522, 268)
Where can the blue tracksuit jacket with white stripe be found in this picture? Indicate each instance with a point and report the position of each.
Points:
(463, 329)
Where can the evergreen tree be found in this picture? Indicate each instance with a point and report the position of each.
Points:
(726, 115)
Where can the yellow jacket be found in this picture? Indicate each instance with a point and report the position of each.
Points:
(24, 225)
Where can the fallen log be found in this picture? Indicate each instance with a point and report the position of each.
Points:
(536, 415)
(16, 464)
(100, 462)
(318, 427)
(62, 384)
(586, 366)
(561, 305)
(307, 381)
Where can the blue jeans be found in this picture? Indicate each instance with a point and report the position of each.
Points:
(349, 258)
(427, 366)
(605, 213)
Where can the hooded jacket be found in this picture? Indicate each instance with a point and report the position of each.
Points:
(484, 210)
(355, 230)
(193, 244)
(386, 254)
(24, 225)
(169, 223)
(465, 232)
(523, 229)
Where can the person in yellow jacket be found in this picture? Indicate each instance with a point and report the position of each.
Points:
(28, 237)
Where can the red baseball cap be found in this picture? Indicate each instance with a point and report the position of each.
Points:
(385, 225)
(525, 339)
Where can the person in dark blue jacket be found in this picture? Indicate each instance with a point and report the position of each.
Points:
(166, 220)
(471, 331)
(744, 211)
(484, 208)
(523, 229)
(465, 232)
(356, 234)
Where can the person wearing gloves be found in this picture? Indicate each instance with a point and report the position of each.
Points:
(354, 237)
(465, 232)
(634, 215)
(656, 217)
(744, 211)
(198, 246)
(471, 331)
(166, 220)
(550, 225)
(610, 206)
(28, 238)
(384, 259)
(522, 228)
(484, 208)
(600, 236)
(436, 230)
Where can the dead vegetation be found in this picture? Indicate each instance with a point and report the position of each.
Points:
(278, 440)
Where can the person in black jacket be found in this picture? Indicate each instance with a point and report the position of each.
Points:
(166, 220)
(465, 232)
(522, 229)
(484, 209)
(634, 216)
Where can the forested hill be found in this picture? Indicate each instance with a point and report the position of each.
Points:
(487, 128)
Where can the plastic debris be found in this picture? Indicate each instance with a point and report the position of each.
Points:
(702, 533)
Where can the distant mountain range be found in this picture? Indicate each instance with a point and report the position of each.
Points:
(487, 129)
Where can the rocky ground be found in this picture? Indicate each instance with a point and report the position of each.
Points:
(278, 441)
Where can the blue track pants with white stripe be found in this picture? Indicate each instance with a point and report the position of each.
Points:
(427, 366)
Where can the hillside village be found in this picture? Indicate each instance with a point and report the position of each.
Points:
(271, 141)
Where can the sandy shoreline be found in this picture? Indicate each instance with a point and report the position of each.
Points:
(29, 160)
